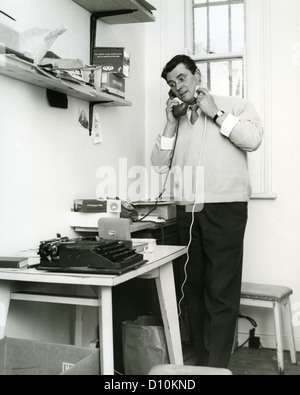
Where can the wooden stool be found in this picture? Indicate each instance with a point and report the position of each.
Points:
(277, 298)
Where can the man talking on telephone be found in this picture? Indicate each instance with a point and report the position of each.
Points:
(214, 133)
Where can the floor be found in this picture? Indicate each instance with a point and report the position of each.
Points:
(246, 362)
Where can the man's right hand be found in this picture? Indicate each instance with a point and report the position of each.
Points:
(169, 110)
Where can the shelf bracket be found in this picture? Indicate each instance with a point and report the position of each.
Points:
(94, 18)
(91, 113)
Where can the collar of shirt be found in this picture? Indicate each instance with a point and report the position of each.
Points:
(190, 109)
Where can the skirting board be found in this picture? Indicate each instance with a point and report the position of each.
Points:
(267, 341)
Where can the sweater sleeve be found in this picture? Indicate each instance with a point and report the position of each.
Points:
(248, 132)
(160, 158)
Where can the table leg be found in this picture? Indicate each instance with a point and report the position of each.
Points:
(4, 305)
(106, 331)
(167, 299)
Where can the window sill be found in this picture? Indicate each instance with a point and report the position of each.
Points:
(263, 196)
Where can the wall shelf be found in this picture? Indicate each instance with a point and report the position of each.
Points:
(15, 68)
(112, 12)
(141, 10)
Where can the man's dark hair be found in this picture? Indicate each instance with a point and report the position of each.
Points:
(174, 62)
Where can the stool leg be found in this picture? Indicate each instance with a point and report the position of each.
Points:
(290, 331)
(4, 305)
(279, 337)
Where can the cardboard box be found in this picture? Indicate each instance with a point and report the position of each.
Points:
(30, 357)
(114, 84)
(112, 60)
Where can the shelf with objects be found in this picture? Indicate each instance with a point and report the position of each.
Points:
(114, 12)
(16, 68)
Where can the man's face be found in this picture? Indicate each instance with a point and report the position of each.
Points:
(183, 83)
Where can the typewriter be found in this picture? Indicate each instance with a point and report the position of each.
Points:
(88, 255)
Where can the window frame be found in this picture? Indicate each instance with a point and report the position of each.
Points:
(211, 57)
(257, 72)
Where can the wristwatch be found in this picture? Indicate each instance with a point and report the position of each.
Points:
(218, 114)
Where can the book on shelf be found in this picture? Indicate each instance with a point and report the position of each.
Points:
(15, 262)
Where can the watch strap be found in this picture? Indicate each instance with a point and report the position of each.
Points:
(218, 114)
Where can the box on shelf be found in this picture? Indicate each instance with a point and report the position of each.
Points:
(32, 357)
(113, 60)
(114, 84)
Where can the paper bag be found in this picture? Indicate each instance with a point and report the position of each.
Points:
(144, 345)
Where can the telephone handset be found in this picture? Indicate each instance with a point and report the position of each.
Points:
(181, 108)
(128, 210)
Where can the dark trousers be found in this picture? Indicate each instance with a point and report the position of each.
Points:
(214, 273)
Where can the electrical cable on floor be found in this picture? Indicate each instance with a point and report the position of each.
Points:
(251, 320)
(253, 323)
(242, 345)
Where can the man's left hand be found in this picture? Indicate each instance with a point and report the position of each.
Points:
(206, 102)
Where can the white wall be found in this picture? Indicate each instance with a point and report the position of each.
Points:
(47, 159)
(272, 248)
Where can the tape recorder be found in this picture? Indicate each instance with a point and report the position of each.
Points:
(97, 206)
(87, 212)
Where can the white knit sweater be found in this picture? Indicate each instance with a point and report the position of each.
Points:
(223, 175)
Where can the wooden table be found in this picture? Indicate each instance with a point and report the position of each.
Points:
(158, 267)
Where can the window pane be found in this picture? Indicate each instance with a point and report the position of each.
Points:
(200, 32)
(220, 78)
(237, 78)
(223, 78)
(203, 69)
(237, 27)
(219, 32)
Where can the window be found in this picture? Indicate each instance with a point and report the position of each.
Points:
(218, 43)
